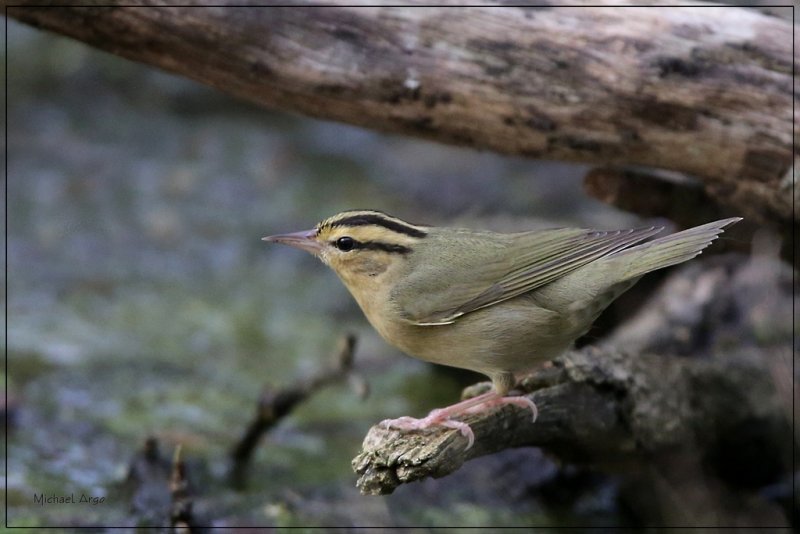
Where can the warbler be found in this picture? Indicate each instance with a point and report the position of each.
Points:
(500, 304)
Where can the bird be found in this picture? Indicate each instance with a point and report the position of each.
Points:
(500, 304)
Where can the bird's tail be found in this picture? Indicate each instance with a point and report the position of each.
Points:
(670, 250)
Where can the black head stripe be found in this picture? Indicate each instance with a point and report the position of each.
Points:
(370, 219)
(386, 247)
(379, 245)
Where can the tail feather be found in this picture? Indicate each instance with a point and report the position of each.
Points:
(672, 249)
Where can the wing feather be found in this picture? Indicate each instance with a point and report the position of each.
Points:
(515, 264)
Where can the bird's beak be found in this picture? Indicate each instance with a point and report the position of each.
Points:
(305, 240)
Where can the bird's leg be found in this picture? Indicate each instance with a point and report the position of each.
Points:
(442, 416)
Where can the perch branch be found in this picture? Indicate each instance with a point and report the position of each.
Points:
(705, 91)
(392, 457)
(608, 408)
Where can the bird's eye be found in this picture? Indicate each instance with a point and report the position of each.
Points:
(345, 243)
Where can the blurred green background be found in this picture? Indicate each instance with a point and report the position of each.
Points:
(141, 301)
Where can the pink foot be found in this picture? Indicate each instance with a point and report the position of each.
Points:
(433, 419)
(442, 416)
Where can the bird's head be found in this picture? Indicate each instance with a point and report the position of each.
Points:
(357, 243)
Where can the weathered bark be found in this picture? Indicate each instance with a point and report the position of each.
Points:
(603, 408)
(705, 91)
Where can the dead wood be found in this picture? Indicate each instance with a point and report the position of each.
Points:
(181, 517)
(702, 90)
(161, 490)
(606, 408)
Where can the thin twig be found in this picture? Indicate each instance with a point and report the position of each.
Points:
(181, 512)
(273, 405)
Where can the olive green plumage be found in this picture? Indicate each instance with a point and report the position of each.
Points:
(499, 304)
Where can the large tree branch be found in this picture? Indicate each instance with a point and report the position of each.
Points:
(571, 414)
(607, 408)
(701, 90)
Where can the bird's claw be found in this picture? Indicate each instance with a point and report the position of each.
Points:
(442, 416)
(433, 419)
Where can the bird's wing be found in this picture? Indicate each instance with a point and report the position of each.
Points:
(484, 272)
